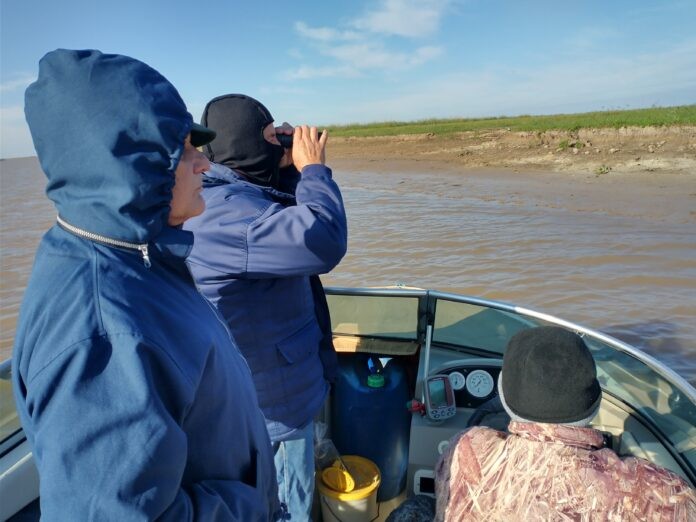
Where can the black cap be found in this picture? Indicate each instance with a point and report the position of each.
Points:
(201, 135)
(549, 376)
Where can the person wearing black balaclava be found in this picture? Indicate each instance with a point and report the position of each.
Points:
(274, 221)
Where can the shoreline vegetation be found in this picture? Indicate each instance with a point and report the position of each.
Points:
(598, 143)
(653, 117)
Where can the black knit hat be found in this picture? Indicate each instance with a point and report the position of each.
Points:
(549, 376)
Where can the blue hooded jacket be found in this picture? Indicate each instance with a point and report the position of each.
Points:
(136, 402)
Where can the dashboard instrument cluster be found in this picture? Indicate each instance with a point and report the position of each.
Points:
(473, 386)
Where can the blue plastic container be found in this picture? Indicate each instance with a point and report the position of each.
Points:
(372, 420)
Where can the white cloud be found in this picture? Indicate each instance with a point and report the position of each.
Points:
(354, 60)
(425, 54)
(352, 53)
(295, 53)
(589, 39)
(306, 72)
(17, 83)
(325, 34)
(373, 56)
(408, 18)
(285, 90)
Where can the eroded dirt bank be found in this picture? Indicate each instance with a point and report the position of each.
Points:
(593, 151)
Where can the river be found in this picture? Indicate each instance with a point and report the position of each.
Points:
(615, 256)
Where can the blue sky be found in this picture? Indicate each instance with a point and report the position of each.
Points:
(362, 61)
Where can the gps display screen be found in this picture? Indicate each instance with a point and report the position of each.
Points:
(438, 396)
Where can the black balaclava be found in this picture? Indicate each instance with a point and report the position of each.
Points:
(239, 122)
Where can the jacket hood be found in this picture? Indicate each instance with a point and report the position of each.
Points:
(109, 131)
(239, 122)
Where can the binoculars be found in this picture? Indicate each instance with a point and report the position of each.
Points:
(286, 140)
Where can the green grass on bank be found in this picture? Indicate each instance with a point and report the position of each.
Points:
(682, 115)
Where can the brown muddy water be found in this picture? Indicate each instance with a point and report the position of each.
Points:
(617, 255)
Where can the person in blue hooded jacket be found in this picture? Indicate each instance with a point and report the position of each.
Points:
(274, 221)
(136, 402)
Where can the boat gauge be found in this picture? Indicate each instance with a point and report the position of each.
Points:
(458, 380)
(480, 384)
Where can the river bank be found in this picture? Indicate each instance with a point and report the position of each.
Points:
(597, 152)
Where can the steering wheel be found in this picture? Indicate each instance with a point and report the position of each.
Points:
(492, 406)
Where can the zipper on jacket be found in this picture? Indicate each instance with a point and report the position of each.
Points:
(141, 247)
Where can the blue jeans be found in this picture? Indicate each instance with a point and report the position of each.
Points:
(294, 462)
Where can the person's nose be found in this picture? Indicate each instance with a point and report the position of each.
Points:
(201, 163)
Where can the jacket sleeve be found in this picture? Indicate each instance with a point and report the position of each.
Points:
(306, 239)
(107, 417)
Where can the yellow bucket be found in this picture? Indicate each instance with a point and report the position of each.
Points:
(357, 505)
